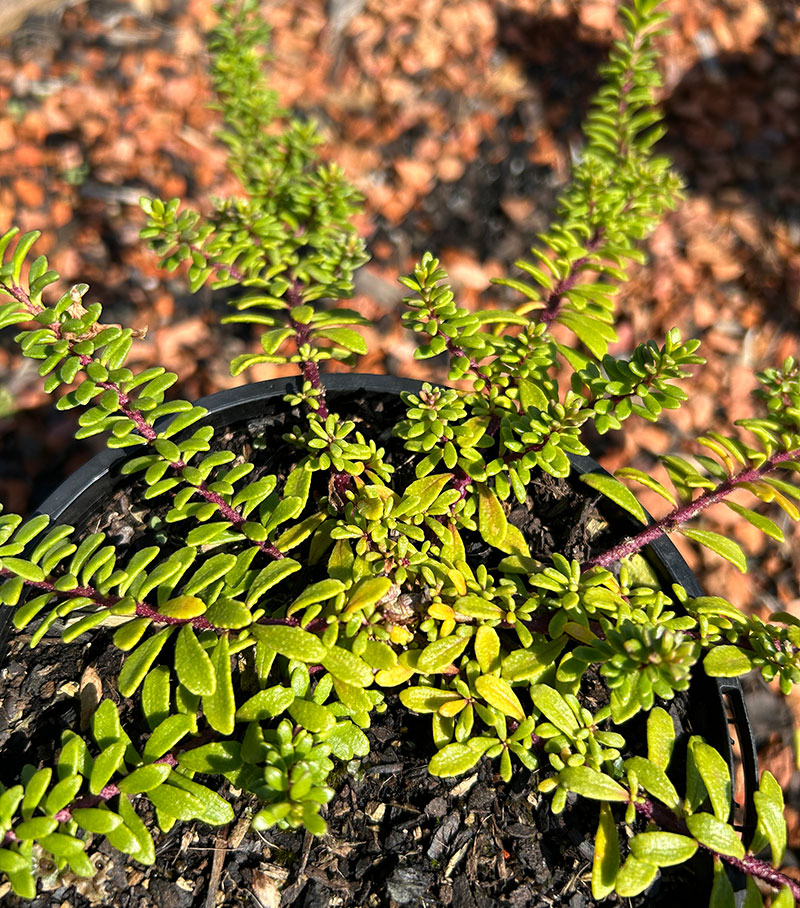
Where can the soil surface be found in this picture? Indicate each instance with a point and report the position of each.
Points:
(397, 836)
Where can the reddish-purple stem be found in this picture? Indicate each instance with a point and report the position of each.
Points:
(679, 516)
(302, 334)
(556, 296)
(149, 434)
(749, 864)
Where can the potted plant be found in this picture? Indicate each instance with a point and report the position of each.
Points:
(276, 581)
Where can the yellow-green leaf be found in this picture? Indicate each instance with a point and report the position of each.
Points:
(219, 707)
(312, 716)
(664, 849)
(715, 834)
(769, 806)
(499, 693)
(346, 666)
(716, 777)
(145, 778)
(441, 653)
(139, 661)
(606, 854)
(590, 783)
(368, 592)
(726, 548)
(654, 780)
(634, 877)
(265, 704)
(726, 662)
(487, 648)
(193, 664)
(617, 492)
(660, 737)
(292, 642)
(492, 520)
(422, 699)
(229, 613)
(183, 607)
(453, 759)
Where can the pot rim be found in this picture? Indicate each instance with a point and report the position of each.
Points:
(89, 481)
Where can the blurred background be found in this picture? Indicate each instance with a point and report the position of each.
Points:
(457, 120)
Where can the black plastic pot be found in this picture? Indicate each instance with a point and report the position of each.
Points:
(719, 706)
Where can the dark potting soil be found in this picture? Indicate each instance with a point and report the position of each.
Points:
(397, 836)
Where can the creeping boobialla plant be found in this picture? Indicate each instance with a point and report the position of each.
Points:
(258, 649)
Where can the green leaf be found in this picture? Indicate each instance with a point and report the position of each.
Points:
(146, 853)
(590, 783)
(348, 667)
(554, 707)
(156, 695)
(106, 763)
(440, 654)
(499, 693)
(635, 876)
(106, 726)
(726, 662)
(422, 699)
(217, 757)
(453, 759)
(270, 576)
(266, 704)
(715, 834)
(193, 664)
(347, 741)
(492, 520)
(316, 592)
(660, 737)
(617, 492)
(12, 861)
(653, 779)
(366, 593)
(663, 848)
(292, 642)
(219, 707)
(99, 820)
(61, 845)
(63, 793)
(769, 807)
(24, 569)
(145, 778)
(23, 882)
(487, 649)
(722, 895)
(726, 548)
(139, 661)
(344, 337)
(175, 802)
(229, 613)
(35, 828)
(168, 733)
(312, 716)
(215, 809)
(606, 854)
(767, 526)
(716, 777)
(35, 790)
